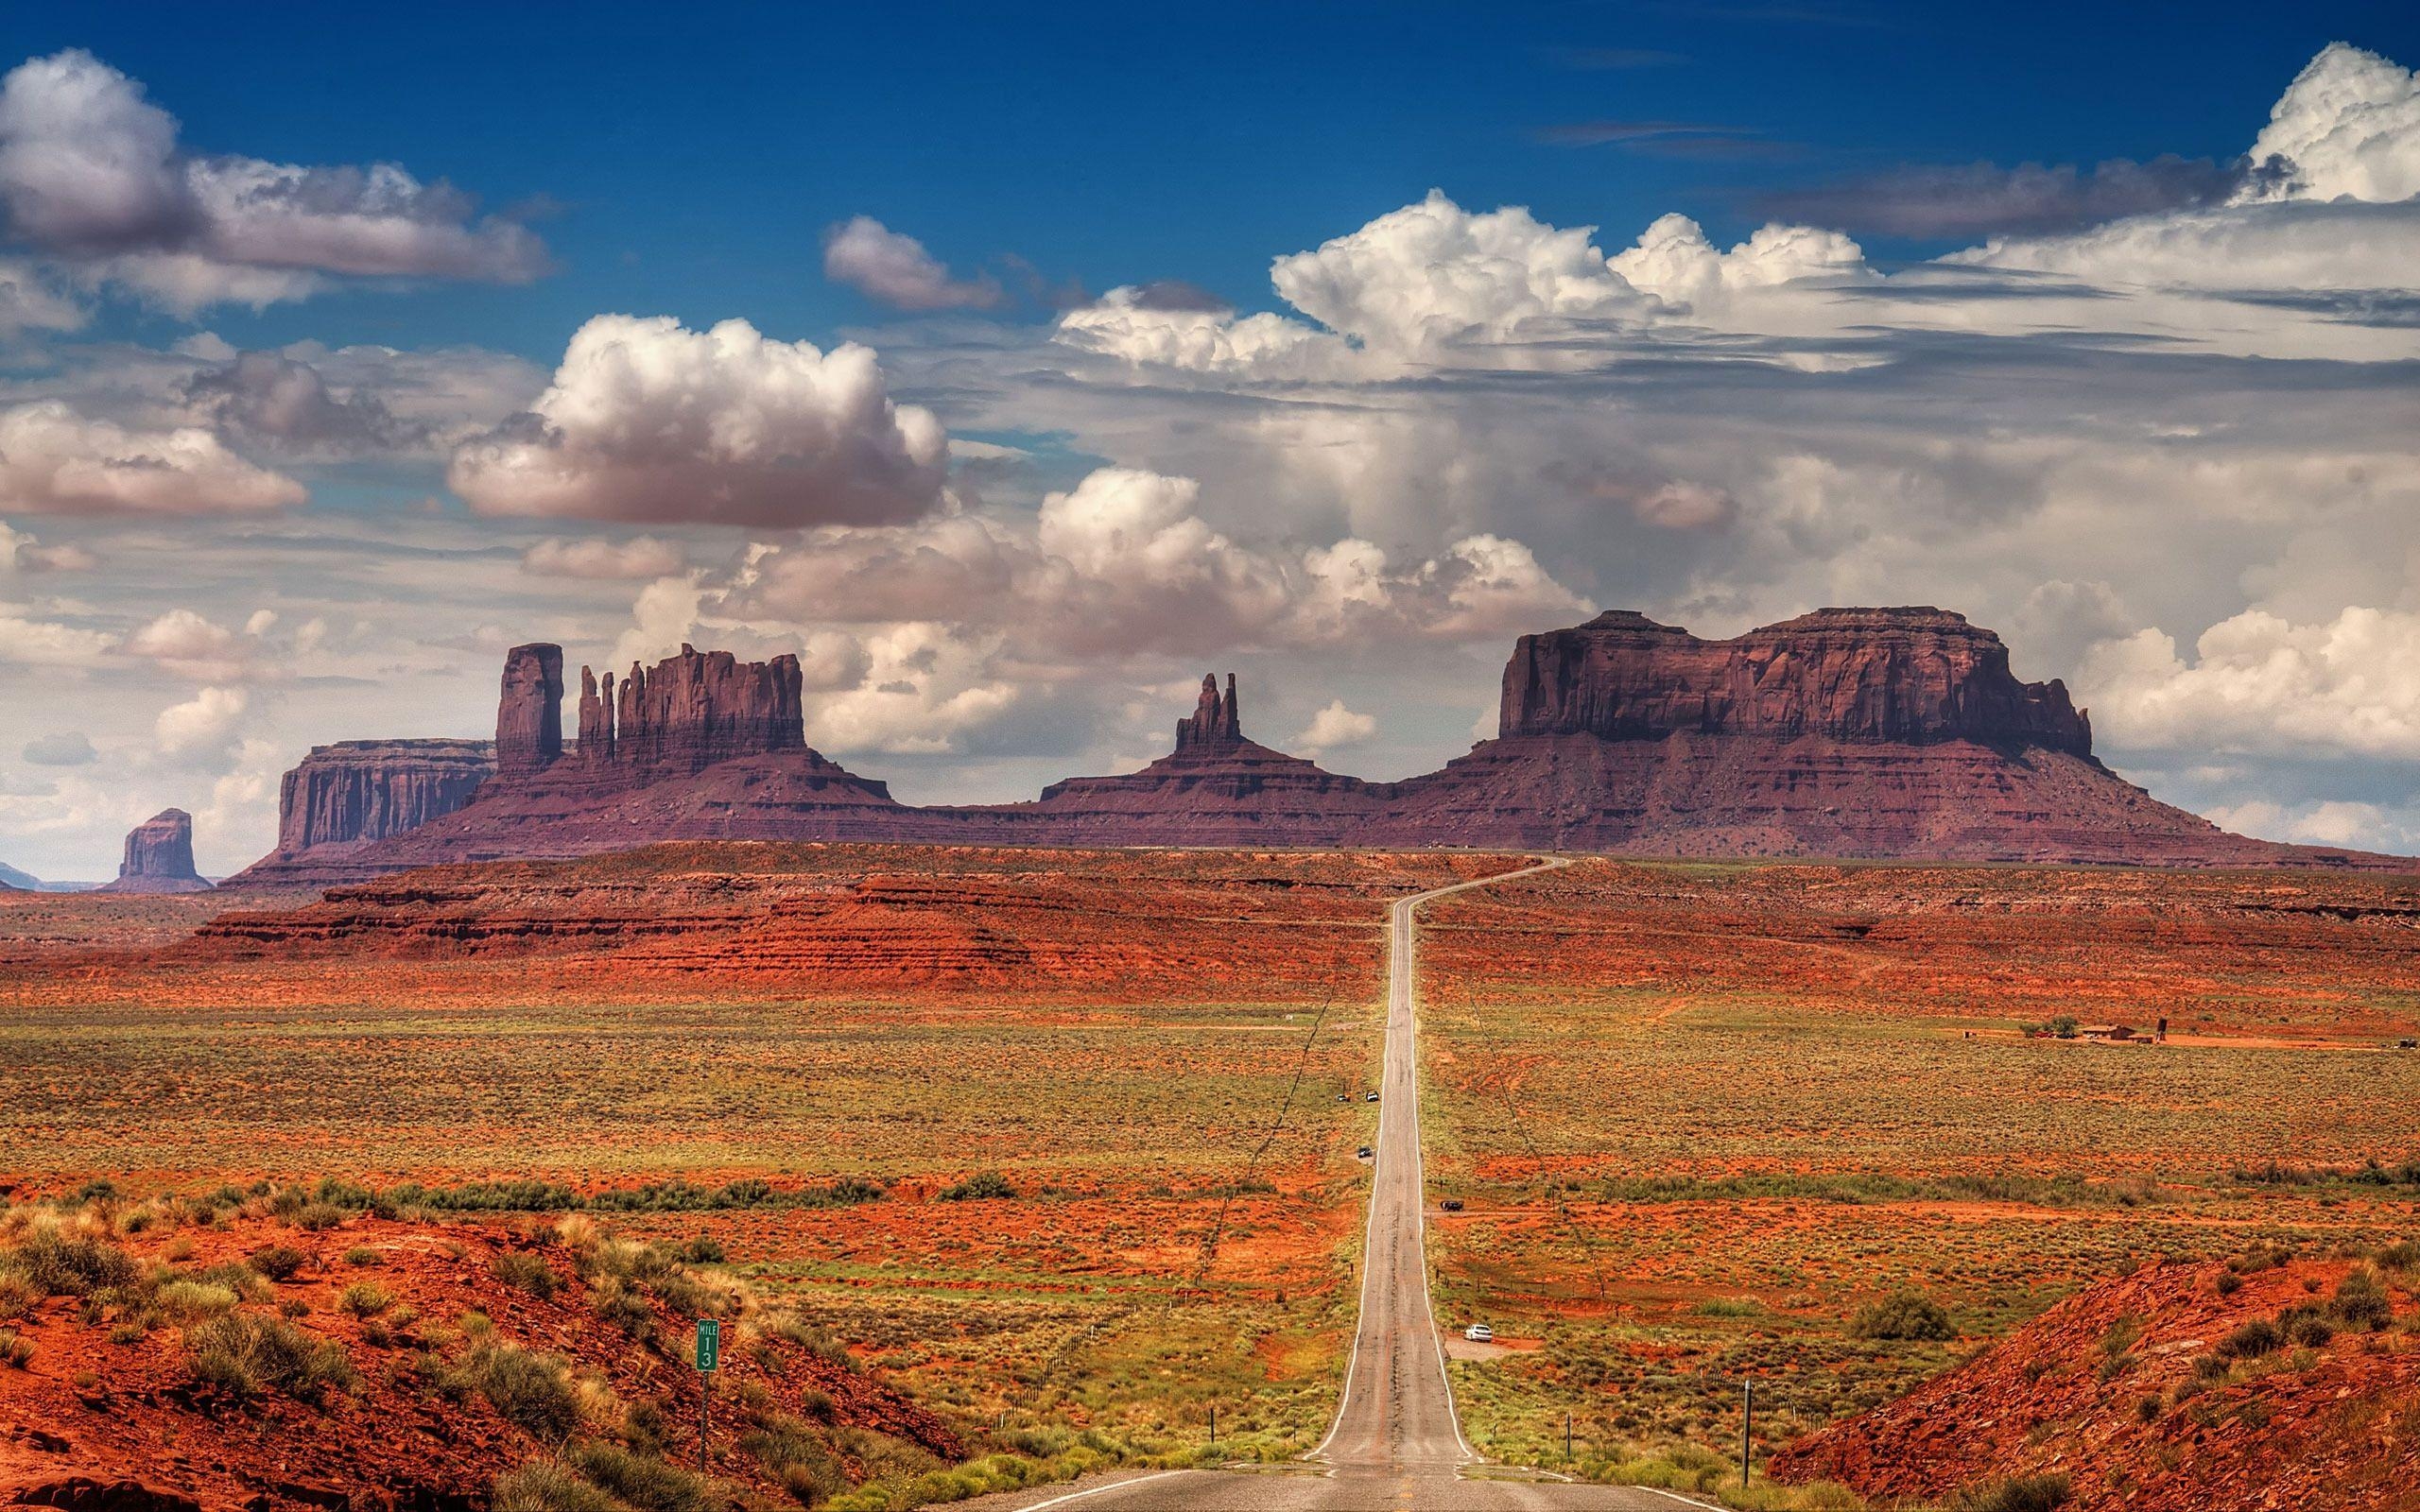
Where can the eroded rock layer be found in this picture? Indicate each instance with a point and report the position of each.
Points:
(1903, 676)
(159, 857)
(1883, 734)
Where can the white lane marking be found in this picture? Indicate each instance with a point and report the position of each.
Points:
(1419, 1166)
(1403, 922)
(1114, 1486)
(1654, 1490)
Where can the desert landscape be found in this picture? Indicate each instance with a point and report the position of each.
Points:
(1021, 1162)
(1386, 757)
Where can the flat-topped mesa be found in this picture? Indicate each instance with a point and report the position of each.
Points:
(159, 857)
(690, 712)
(529, 711)
(1914, 675)
(1214, 725)
(361, 790)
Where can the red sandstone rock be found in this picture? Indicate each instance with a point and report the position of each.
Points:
(530, 714)
(1911, 675)
(351, 794)
(691, 712)
(1852, 733)
(159, 857)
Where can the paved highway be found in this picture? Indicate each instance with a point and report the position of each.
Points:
(1396, 1445)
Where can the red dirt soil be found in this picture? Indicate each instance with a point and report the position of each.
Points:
(800, 920)
(2337, 1426)
(86, 1408)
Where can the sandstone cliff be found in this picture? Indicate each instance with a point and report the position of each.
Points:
(686, 713)
(159, 857)
(1877, 733)
(356, 792)
(1907, 676)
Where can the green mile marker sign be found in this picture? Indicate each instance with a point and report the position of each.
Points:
(709, 1344)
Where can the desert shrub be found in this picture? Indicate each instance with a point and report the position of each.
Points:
(528, 1271)
(1903, 1314)
(17, 1295)
(63, 1265)
(984, 1186)
(365, 1300)
(788, 1449)
(1731, 1307)
(533, 1391)
(2228, 1283)
(361, 1255)
(2251, 1341)
(16, 1350)
(2404, 1254)
(188, 1301)
(2305, 1325)
(2026, 1493)
(649, 1485)
(703, 1251)
(244, 1355)
(318, 1217)
(2362, 1301)
(622, 1306)
(548, 1485)
(2260, 1257)
(2147, 1408)
(278, 1263)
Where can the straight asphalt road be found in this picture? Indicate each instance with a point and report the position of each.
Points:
(1397, 1445)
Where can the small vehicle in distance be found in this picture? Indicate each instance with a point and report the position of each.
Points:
(1452, 1204)
(1365, 1152)
(1345, 1097)
(1479, 1333)
(1369, 1097)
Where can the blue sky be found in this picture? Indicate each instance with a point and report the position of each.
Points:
(1086, 349)
(696, 152)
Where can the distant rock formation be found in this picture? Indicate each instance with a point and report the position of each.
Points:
(159, 857)
(1216, 788)
(686, 713)
(530, 714)
(356, 792)
(1906, 676)
(1215, 722)
(1880, 734)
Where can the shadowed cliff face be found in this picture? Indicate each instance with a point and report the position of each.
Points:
(688, 712)
(1879, 734)
(529, 711)
(159, 857)
(1905, 675)
(360, 790)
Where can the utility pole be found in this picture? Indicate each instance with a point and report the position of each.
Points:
(1747, 1425)
(1213, 1425)
(1566, 1438)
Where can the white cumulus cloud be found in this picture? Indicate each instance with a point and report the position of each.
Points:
(895, 269)
(55, 461)
(203, 725)
(2260, 683)
(1335, 727)
(91, 172)
(639, 557)
(647, 419)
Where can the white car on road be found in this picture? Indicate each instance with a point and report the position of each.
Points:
(1479, 1333)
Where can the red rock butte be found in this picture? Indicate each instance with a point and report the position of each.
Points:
(1872, 733)
(159, 857)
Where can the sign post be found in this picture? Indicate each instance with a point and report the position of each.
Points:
(709, 1361)
(1747, 1426)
